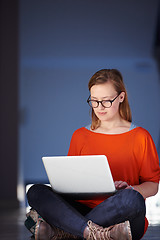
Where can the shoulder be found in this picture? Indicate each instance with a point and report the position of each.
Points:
(142, 132)
(139, 130)
(143, 138)
(78, 140)
(80, 132)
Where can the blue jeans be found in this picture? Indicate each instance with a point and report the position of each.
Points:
(72, 216)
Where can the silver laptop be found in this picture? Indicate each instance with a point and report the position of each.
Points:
(84, 176)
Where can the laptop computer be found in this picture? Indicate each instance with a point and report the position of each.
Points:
(80, 176)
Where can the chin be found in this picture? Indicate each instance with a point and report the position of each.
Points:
(104, 118)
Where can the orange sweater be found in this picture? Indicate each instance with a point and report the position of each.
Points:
(132, 156)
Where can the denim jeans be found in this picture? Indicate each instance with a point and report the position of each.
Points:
(72, 216)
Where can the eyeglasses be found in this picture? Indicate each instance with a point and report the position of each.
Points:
(104, 103)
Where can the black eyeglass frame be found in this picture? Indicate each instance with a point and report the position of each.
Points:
(111, 101)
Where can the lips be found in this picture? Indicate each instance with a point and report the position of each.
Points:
(102, 113)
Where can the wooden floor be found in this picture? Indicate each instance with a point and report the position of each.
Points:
(12, 223)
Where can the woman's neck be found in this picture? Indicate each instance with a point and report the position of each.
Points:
(113, 127)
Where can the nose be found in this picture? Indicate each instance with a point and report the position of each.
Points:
(100, 106)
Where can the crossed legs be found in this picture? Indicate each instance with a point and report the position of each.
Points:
(72, 217)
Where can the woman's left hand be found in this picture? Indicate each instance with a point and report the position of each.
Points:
(121, 185)
(146, 189)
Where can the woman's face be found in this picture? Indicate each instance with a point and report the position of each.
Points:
(106, 91)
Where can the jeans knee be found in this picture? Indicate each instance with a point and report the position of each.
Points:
(140, 203)
(34, 193)
(135, 201)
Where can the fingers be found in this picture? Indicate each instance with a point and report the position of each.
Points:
(120, 185)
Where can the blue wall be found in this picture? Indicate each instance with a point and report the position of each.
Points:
(62, 43)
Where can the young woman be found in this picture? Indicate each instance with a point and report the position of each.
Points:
(134, 165)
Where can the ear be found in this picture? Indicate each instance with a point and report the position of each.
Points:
(122, 96)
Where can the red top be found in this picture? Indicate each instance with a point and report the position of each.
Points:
(132, 156)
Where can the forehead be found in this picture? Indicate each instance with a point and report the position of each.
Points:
(103, 90)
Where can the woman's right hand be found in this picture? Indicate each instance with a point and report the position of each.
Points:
(121, 185)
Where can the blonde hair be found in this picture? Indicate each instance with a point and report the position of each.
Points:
(115, 77)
